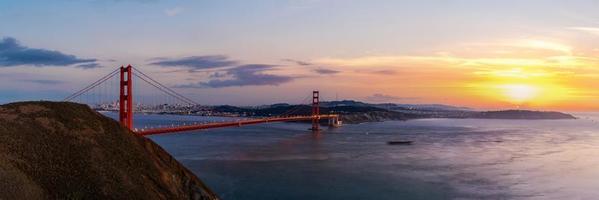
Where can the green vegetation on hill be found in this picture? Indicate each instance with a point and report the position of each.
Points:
(51, 150)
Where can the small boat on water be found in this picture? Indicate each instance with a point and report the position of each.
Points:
(400, 142)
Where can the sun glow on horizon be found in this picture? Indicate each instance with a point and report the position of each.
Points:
(524, 86)
(519, 93)
(530, 73)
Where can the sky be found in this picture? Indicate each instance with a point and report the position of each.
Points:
(501, 54)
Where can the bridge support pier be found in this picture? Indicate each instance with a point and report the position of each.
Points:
(315, 111)
(334, 122)
(126, 98)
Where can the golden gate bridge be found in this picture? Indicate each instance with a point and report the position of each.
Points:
(102, 91)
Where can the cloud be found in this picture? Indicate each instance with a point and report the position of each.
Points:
(466, 62)
(297, 62)
(500, 53)
(591, 30)
(378, 97)
(383, 72)
(546, 45)
(89, 66)
(244, 75)
(218, 75)
(14, 54)
(326, 71)
(44, 82)
(320, 70)
(173, 11)
(376, 72)
(196, 62)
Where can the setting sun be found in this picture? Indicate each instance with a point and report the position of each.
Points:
(524, 86)
(519, 93)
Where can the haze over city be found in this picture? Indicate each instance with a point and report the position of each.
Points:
(479, 54)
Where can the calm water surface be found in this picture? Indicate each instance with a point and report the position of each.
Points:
(450, 159)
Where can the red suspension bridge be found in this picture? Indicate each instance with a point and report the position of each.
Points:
(104, 97)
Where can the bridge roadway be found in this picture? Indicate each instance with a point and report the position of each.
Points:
(155, 131)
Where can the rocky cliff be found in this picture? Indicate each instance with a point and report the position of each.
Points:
(51, 150)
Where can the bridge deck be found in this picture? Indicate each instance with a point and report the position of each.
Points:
(231, 124)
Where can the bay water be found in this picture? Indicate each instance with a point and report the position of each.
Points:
(449, 159)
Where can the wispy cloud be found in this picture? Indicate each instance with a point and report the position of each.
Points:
(378, 97)
(320, 70)
(297, 62)
(89, 66)
(12, 53)
(545, 45)
(196, 62)
(591, 30)
(379, 72)
(557, 61)
(218, 74)
(244, 75)
(43, 81)
(326, 71)
(173, 11)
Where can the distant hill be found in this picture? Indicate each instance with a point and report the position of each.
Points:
(521, 114)
(356, 112)
(393, 106)
(345, 103)
(432, 107)
(52, 150)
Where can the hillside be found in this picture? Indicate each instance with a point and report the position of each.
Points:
(349, 114)
(357, 112)
(51, 150)
(522, 114)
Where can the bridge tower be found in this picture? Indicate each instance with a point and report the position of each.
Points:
(126, 98)
(315, 111)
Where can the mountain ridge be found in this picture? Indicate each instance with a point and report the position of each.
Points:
(357, 112)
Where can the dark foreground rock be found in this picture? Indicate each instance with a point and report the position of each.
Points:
(52, 150)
